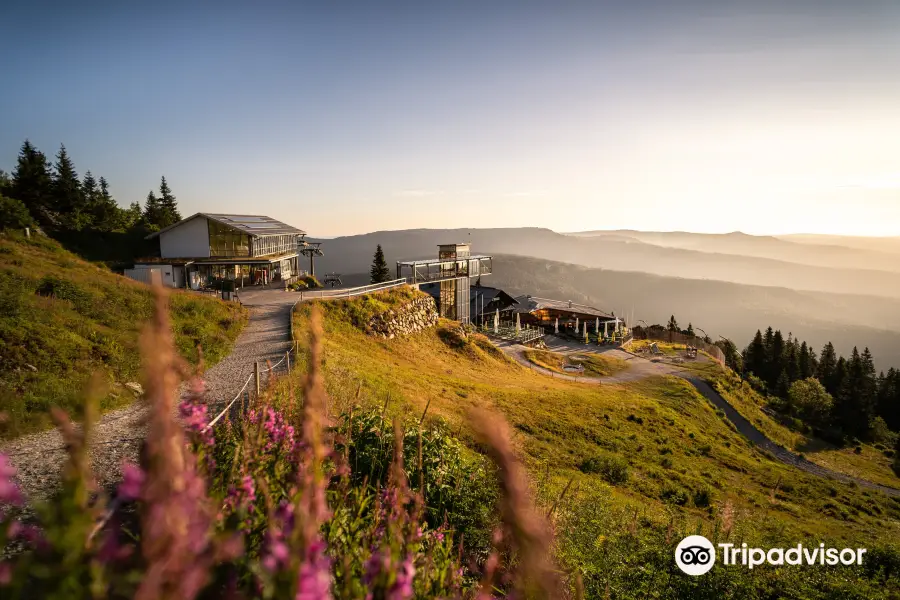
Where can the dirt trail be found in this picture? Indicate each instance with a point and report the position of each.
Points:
(39, 457)
(640, 368)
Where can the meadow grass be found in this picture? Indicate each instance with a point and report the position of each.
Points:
(63, 319)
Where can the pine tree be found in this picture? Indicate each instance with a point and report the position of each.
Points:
(672, 326)
(31, 184)
(755, 355)
(169, 214)
(805, 363)
(107, 214)
(379, 272)
(888, 407)
(690, 329)
(152, 216)
(792, 360)
(775, 360)
(855, 403)
(827, 370)
(68, 200)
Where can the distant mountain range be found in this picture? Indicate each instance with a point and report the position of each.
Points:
(822, 251)
(728, 284)
(736, 258)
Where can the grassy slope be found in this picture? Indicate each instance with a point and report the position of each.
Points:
(870, 463)
(674, 441)
(87, 321)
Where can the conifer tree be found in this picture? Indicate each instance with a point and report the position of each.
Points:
(672, 325)
(109, 217)
(169, 214)
(68, 200)
(690, 329)
(827, 371)
(152, 216)
(379, 272)
(32, 185)
(888, 406)
(755, 355)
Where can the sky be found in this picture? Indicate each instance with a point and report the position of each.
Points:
(341, 117)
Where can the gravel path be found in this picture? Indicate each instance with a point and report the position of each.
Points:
(639, 368)
(117, 436)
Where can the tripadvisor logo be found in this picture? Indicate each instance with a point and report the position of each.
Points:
(695, 555)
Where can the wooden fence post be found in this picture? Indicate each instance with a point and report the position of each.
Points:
(287, 359)
(256, 376)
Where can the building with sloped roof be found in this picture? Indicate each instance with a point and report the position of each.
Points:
(548, 313)
(207, 249)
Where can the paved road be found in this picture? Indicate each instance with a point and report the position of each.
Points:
(39, 457)
(639, 368)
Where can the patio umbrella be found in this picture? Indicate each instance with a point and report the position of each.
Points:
(605, 330)
(576, 325)
(556, 326)
(518, 323)
(597, 325)
(497, 321)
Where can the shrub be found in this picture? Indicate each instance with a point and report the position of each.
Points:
(702, 497)
(14, 214)
(613, 469)
(673, 495)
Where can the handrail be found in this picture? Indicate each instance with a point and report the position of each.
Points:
(349, 292)
(230, 404)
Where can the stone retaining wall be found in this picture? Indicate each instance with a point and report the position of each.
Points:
(417, 315)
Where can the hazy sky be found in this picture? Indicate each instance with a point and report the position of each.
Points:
(340, 117)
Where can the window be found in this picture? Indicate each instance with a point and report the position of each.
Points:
(225, 241)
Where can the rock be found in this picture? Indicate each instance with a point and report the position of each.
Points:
(135, 387)
(31, 367)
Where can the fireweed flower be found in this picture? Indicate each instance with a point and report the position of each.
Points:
(9, 491)
(195, 414)
(132, 482)
(176, 514)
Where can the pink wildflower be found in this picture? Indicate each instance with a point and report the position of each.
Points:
(132, 482)
(9, 491)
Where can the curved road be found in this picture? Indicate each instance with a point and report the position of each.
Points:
(640, 368)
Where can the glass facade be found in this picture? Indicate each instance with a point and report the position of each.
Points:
(228, 242)
(225, 241)
(274, 244)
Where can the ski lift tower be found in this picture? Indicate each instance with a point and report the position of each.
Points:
(312, 250)
(454, 268)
